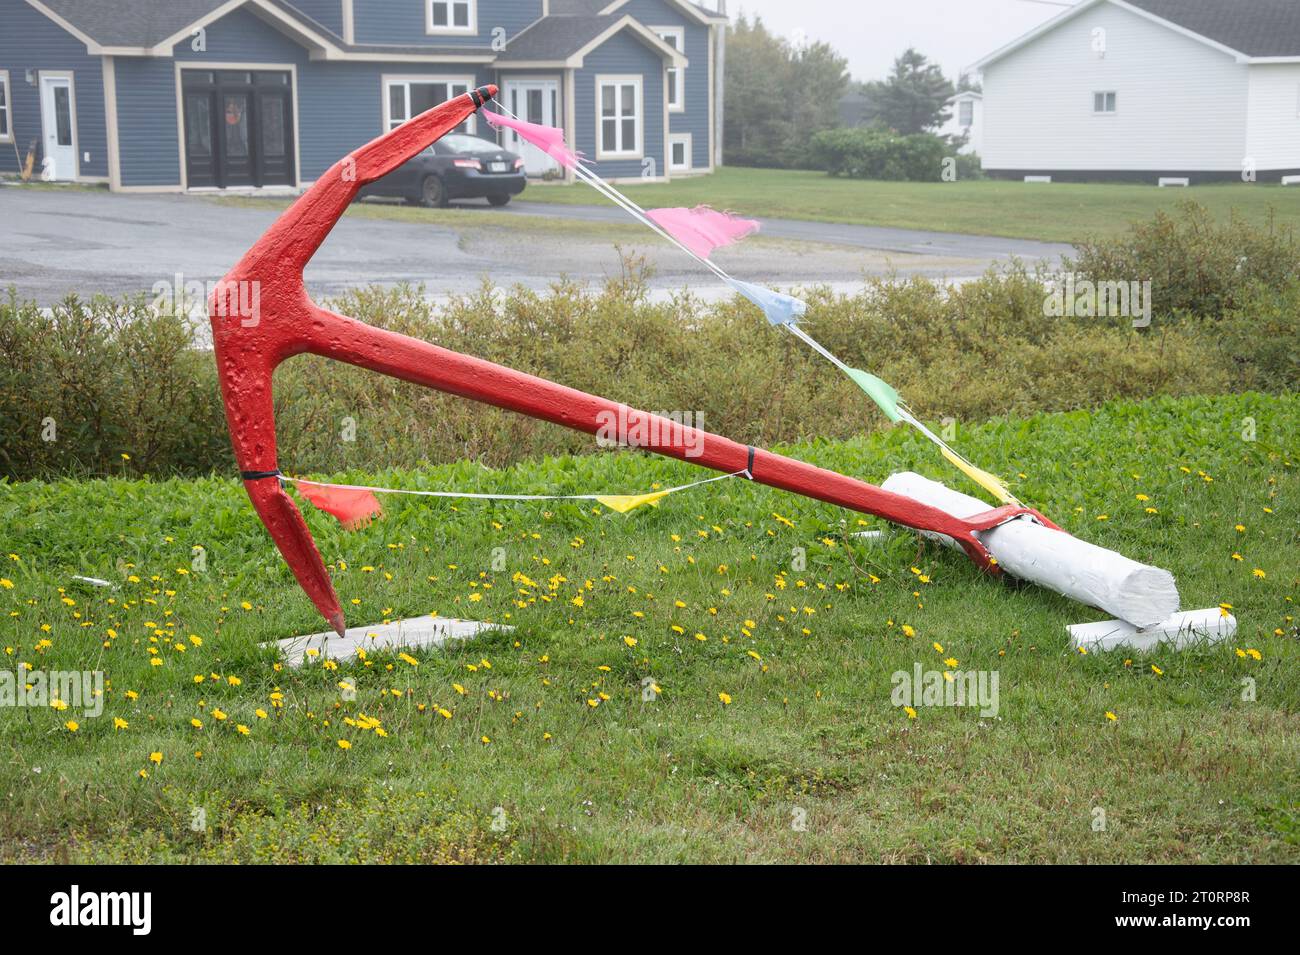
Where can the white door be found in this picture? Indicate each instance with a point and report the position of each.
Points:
(56, 121)
(535, 101)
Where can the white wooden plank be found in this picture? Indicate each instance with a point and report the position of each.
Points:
(413, 633)
(1178, 632)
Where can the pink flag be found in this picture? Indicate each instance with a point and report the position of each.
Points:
(548, 139)
(702, 229)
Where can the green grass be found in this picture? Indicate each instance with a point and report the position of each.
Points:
(1060, 212)
(1188, 771)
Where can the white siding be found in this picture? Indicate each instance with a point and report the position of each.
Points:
(974, 132)
(1181, 105)
(1274, 141)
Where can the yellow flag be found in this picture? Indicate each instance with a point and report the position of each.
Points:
(982, 478)
(627, 502)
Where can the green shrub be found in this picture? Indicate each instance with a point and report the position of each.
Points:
(117, 378)
(1259, 339)
(878, 153)
(969, 166)
(86, 381)
(1196, 265)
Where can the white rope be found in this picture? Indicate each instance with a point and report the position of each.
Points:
(506, 497)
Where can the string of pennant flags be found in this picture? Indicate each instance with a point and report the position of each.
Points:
(697, 232)
(355, 504)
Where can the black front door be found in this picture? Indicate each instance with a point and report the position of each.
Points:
(238, 128)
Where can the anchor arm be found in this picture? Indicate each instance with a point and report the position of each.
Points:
(420, 362)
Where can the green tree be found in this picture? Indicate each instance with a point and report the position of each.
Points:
(777, 96)
(914, 97)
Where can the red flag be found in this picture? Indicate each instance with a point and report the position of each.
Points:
(355, 508)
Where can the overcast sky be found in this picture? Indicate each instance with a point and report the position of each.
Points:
(870, 33)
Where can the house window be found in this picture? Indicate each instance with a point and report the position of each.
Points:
(674, 78)
(966, 113)
(408, 96)
(451, 16)
(1103, 102)
(6, 130)
(679, 152)
(618, 117)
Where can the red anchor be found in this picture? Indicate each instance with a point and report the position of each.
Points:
(287, 322)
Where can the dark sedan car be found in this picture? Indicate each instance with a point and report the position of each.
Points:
(455, 167)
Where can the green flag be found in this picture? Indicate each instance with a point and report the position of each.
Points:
(881, 392)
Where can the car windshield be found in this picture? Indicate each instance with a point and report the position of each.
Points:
(458, 143)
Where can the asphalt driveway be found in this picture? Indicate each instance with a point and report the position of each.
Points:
(61, 240)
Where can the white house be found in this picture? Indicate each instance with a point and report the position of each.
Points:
(966, 119)
(1143, 89)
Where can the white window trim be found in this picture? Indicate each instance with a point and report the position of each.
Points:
(1104, 112)
(684, 138)
(7, 137)
(449, 29)
(621, 79)
(389, 79)
(678, 33)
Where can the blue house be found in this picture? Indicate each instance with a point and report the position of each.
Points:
(169, 95)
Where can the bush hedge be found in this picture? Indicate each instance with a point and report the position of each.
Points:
(873, 152)
(95, 387)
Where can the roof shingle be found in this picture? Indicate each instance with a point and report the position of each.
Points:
(131, 23)
(1253, 27)
(555, 37)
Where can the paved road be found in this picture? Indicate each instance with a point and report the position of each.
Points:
(54, 241)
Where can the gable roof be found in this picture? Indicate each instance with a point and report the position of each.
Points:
(1256, 28)
(125, 23)
(591, 8)
(152, 27)
(555, 37)
(1250, 30)
(565, 40)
